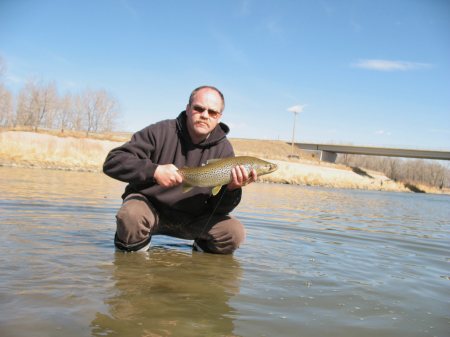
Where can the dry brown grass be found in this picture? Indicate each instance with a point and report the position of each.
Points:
(76, 152)
(269, 149)
(308, 174)
(49, 151)
(111, 136)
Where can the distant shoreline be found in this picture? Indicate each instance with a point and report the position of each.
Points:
(49, 151)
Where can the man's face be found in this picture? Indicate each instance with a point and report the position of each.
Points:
(203, 114)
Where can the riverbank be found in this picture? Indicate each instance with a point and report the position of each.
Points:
(50, 151)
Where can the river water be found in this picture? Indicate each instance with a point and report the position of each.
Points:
(317, 262)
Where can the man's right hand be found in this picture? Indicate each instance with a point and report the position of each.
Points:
(167, 175)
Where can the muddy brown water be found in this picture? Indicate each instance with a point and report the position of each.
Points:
(316, 262)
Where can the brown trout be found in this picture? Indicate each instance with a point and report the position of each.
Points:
(217, 172)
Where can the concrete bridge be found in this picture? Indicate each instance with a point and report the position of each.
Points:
(329, 152)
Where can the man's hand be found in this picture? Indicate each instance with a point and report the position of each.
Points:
(167, 175)
(240, 177)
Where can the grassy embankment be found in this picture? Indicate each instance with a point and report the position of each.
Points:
(73, 151)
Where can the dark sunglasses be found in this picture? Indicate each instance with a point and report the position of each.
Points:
(211, 113)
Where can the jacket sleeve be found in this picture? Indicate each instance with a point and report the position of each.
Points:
(225, 201)
(131, 162)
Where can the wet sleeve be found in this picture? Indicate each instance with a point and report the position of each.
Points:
(131, 162)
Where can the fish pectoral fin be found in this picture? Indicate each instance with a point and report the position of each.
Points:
(216, 189)
(187, 188)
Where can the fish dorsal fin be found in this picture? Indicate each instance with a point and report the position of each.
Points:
(210, 161)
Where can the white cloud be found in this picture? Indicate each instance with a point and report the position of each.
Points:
(274, 27)
(445, 131)
(327, 7)
(130, 9)
(387, 65)
(296, 108)
(14, 79)
(382, 133)
(229, 48)
(58, 58)
(69, 84)
(244, 8)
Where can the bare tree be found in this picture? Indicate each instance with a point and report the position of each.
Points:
(437, 175)
(6, 107)
(76, 119)
(411, 171)
(46, 102)
(345, 159)
(100, 110)
(36, 104)
(89, 104)
(109, 108)
(64, 112)
(6, 99)
(24, 111)
(39, 105)
(2, 66)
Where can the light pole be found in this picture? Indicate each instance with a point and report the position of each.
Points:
(296, 109)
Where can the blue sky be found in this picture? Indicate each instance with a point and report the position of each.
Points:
(367, 72)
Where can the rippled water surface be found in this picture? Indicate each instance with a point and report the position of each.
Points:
(317, 262)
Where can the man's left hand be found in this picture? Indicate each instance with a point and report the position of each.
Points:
(240, 177)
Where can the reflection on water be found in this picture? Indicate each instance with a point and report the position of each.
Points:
(316, 262)
(149, 298)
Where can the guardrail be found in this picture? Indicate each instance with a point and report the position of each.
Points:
(329, 152)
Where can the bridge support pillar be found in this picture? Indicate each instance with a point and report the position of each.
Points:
(328, 156)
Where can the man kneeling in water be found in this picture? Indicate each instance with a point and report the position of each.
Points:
(153, 201)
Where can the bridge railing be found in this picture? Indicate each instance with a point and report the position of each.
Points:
(328, 152)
